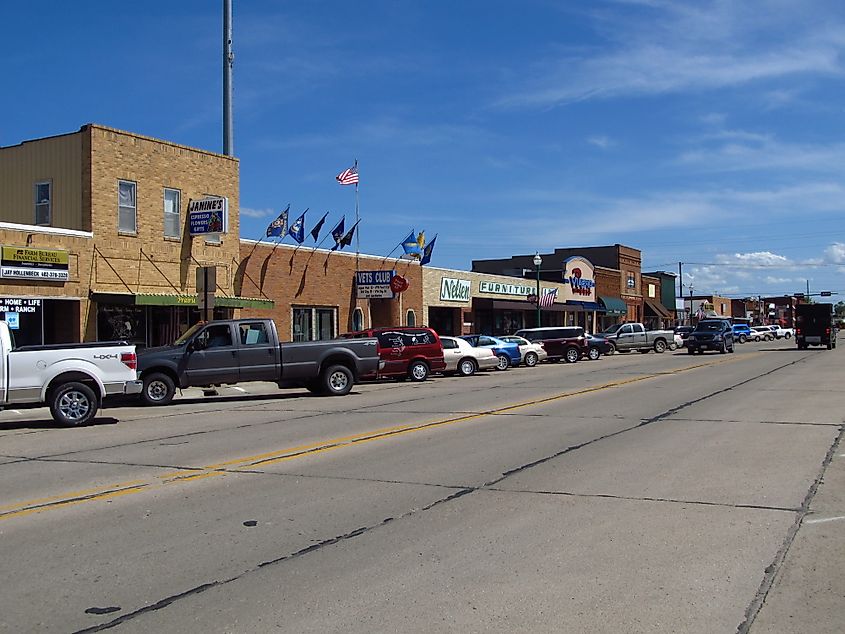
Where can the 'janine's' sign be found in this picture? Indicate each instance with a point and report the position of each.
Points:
(453, 290)
(208, 215)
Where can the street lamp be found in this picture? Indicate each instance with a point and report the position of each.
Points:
(537, 262)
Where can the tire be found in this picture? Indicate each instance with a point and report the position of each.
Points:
(504, 361)
(829, 345)
(73, 404)
(467, 367)
(787, 336)
(743, 338)
(724, 348)
(531, 359)
(611, 350)
(690, 350)
(646, 351)
(660, 346)
(673, 346)
(336, 380)
(572, 355)
(594, 353)
(159, 389)
(418, 371)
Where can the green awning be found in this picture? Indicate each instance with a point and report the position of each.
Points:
(243, 302)
(614, 305)
(176, 299)
(164, 299)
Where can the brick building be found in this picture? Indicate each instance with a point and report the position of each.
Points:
(95, 236)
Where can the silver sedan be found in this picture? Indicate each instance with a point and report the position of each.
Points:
(465, 359)
(532, 353)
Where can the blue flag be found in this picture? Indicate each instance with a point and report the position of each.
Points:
(280, 225)
(426, 256)
(315, 232)
(337, 234)
(411, 245)
(297, 229)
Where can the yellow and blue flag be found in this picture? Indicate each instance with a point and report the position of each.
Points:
(412, 246)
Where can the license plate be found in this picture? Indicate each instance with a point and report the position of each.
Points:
(813, 339)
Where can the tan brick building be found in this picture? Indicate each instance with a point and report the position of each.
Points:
(96, 241)
(315, 293)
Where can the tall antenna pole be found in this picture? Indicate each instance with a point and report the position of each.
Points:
(228, 62)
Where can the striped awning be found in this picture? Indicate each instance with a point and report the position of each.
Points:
(176, 299)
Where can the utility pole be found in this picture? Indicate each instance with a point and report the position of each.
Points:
(228, 62)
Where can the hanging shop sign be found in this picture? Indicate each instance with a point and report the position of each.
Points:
(579, 275)
(399, 284)
(374, 284)
(499, 288)
(208, 216)
(50, 265)
(454, 290)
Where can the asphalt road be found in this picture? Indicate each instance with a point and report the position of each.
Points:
(638, 493)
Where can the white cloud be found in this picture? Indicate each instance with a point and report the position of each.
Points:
(835, 253)
(757, 258)
(602, 142)
(256, 213)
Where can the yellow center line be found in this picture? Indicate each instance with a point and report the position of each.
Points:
(272, 457)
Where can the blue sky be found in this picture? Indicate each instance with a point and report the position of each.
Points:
(703, 132)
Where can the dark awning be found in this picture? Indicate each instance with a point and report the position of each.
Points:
(503, 304)
(176, 299)
(614, 305)
(591, 306)
(658, 310)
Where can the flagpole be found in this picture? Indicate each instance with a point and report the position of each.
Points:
(357, 220)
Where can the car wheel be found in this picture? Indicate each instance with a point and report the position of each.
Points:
(743, 338)
(466, 367)
(610, 350)
(594, 353)
(504, 362)
(572, 355)
(660, 346)
(724, 348)
(336, 380)
(531, 359)
(73, 404)
(159, 389)
(418, 371)
(787, 335)
(673, 346)
(690, 350)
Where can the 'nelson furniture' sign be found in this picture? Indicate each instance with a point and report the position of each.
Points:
(453, 290)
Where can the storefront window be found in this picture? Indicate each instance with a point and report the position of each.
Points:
(302, 324)
(122, 323)
(310, 324)
(325, 323)
(358, 319)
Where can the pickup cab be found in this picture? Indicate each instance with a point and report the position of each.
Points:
(226, 352)
(72, 379)
(633, 336)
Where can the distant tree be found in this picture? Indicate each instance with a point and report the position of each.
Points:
(840, 310)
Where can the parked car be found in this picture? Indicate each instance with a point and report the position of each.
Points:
(762, 333)
(742, 332)
(597, 346)
(72, 379)
(780, 332)
(405, 352)
(633, 336)
(815, 326)
(677, 342)
(711, 334)
(507, 352)
(532, 353)
(225, 352)
(560, 342)
(465, 359)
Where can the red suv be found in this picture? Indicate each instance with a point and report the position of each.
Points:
(561, 342)
(406, 351)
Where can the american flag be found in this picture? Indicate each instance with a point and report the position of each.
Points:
(548, 298)
(348, 176)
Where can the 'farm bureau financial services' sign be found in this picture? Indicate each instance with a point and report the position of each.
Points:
(452, 290)
(46, 265)
(374, 284)
(208, 215)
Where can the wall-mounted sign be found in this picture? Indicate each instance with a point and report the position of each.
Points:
(208, 215)
(399, 284)
(374, 284)
(579, 274)
(13, 320)
(454, 290)
(46, 265)
(499, 288)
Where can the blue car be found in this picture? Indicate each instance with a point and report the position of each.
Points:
(742, 332)
(507, 352)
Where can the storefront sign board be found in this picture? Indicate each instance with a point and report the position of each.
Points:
(500, 288)
(374, 284)
(50, 265)
(208, 215)
(454, 290)
(579, 276)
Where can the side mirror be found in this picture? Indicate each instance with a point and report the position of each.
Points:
(197, 344)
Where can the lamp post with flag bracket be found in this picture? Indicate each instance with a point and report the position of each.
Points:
(537, 262)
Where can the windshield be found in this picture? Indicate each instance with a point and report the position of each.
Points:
(708, 326)
(611, 329)
(190, 332)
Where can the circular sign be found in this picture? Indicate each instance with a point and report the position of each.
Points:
(398, 284)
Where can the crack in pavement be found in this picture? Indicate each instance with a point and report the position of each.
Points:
(754, 422)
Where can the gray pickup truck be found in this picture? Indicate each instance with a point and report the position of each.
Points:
(237, 351)
(633, 336)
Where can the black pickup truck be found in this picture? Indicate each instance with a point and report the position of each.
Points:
(236, 351)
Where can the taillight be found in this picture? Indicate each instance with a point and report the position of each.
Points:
(827, 331)
(797, 331)
(129, 359)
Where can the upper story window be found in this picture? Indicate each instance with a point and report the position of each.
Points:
(172, 205)
(411, 318)
(43, 203)
(127, 207)
(632, 280)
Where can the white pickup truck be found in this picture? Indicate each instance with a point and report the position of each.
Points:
(72, 379)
